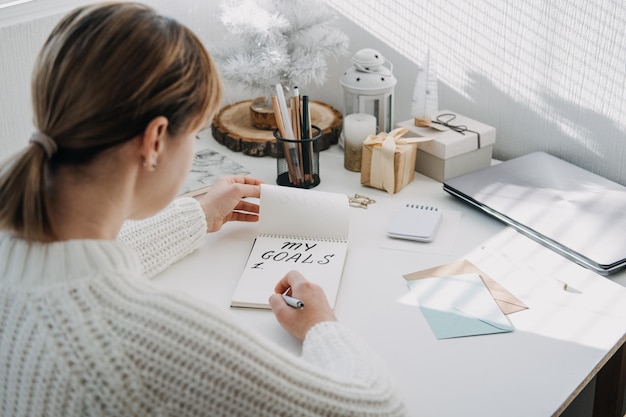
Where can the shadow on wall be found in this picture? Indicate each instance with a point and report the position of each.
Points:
(547, 75)
(522, 129)
(547, 122)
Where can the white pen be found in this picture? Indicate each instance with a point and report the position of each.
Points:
(293, 302)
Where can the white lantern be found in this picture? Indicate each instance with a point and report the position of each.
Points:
(368, 88)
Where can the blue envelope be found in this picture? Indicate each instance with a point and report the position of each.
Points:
(459, 306)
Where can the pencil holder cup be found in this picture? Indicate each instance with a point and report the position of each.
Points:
(298, 160)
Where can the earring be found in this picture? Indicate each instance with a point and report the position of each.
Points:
(153, 165)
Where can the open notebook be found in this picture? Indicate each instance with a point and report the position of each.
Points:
(300, 229)
(576, 213)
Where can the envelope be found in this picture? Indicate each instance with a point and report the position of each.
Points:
(459, 306)
(507, 302)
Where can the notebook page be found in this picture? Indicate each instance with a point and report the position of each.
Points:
(301, 212)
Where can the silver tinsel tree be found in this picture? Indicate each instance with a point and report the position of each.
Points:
(278, 41)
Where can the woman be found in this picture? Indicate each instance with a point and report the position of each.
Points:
(119, 93)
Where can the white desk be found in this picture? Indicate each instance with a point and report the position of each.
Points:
(558, 346)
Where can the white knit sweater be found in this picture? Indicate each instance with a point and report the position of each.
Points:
(83, 334)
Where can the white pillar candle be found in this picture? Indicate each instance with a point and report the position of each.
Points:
(356, 128)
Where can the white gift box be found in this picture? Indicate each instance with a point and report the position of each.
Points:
(463, 146)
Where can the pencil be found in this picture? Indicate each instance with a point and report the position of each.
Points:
(296, 112)
(281, 128)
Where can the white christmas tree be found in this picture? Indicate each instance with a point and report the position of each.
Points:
(279, 41)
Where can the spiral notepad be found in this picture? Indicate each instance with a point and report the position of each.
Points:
(300, 229)
(415, 222)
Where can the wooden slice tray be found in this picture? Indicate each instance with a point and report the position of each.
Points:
(232, 127)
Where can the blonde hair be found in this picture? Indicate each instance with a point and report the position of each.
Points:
(103, 74)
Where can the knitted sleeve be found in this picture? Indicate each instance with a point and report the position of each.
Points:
(198, 361)
(168, 236)
(338, 350)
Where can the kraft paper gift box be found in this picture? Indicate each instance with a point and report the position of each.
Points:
(463, 146)
(388, 161)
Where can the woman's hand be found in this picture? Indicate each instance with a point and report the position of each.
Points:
(223, 202)
(316, 308)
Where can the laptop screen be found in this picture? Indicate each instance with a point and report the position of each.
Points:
(575, 212)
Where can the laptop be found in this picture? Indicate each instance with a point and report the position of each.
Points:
(576, 213)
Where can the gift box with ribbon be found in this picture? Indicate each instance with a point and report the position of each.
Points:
(388, 161)
(460, 145)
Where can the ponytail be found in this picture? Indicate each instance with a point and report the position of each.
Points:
(22, 199)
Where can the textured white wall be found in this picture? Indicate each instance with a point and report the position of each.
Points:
(549, 75)
(23, 31)
(17, 55)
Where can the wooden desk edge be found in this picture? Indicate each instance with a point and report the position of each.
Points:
(611, 384)
(608, 398)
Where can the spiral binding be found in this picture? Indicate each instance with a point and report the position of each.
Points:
(317, 239)
(421, 207)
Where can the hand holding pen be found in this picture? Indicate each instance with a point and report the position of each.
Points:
(298, 321)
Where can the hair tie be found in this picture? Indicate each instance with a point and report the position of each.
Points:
(45, 141)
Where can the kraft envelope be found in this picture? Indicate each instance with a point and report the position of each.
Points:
(459, 306)
(507, 302)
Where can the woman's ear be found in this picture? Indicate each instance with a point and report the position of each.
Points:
(153, 142)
